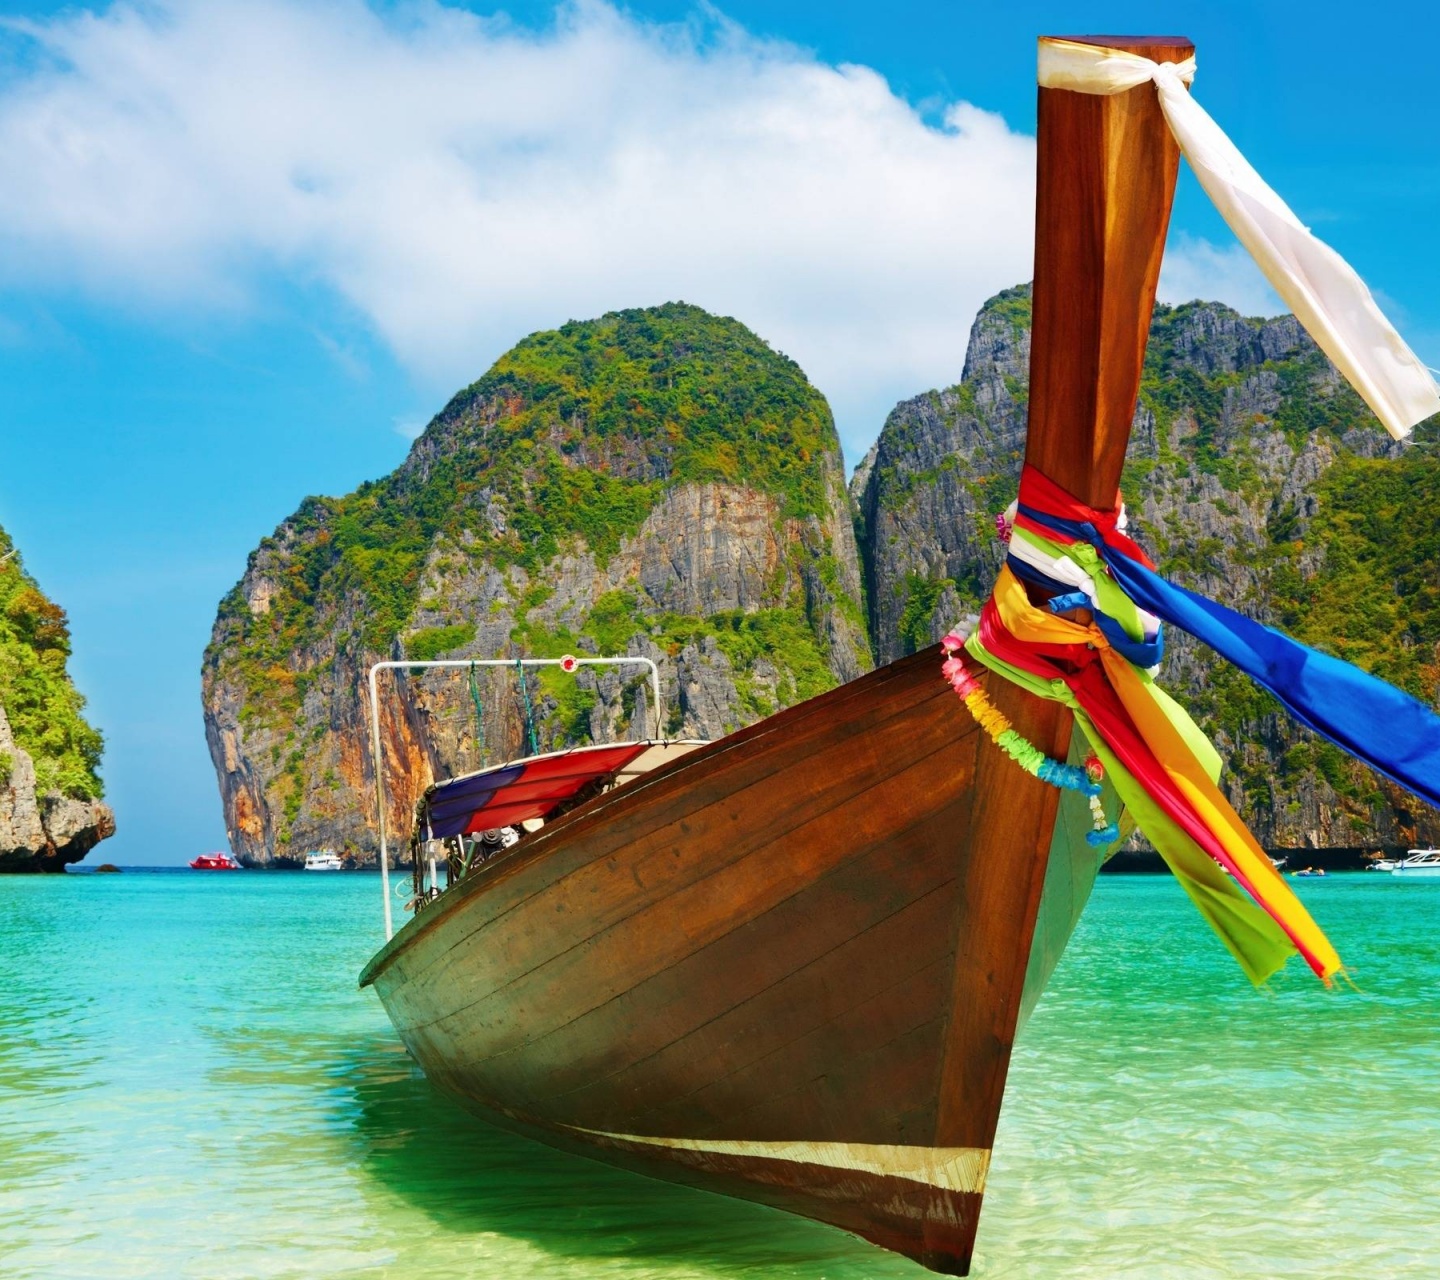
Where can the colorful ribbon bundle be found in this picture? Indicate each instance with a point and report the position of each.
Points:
(1100, 664)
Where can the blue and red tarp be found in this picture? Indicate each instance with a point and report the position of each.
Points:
(513, 793)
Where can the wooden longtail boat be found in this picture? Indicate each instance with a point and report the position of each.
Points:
(789, 966)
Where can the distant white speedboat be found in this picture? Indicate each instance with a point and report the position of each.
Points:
(323, 860)
(1418, 862)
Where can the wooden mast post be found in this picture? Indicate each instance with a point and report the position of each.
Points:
(1104, 183)
(1106, 169)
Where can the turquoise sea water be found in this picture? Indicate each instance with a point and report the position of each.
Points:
(192, 1085)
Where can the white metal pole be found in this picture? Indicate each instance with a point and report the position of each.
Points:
(380, 797)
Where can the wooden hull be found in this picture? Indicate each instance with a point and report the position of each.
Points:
(782, 968)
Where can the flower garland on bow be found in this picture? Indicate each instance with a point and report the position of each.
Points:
(1026, 754)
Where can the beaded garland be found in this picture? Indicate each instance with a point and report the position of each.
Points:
(1086, 780)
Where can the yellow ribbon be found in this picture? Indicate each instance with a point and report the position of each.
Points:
(1176, 751)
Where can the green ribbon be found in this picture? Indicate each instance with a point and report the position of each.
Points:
(1258, 944)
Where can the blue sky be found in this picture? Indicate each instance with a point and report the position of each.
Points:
(247, 249)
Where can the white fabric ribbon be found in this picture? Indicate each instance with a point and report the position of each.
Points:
(1325, 294)
(1064, 569)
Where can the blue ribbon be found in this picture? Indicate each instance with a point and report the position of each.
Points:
(1063, 604)
(1139, 653)
(1393, 733)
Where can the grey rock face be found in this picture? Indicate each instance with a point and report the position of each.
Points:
(42, 832)
(1214, 467)
(704, 550)
(941, 467)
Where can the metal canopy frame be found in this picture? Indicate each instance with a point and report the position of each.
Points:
(568, 664)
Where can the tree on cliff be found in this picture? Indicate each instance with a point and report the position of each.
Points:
(49, 755)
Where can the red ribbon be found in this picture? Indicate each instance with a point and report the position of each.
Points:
(1042, 494)
(1076, 665)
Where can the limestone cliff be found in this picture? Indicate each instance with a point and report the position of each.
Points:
(50, 808)
(926, 497)
(1254, 476)
(655, 482)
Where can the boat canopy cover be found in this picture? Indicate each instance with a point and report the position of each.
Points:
(512, 793)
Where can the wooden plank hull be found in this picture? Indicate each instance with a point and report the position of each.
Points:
(779, 968)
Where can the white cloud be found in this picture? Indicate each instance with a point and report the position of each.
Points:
(1195, 268)
(459, 181)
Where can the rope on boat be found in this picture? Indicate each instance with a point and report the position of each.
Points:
(1026, 754)
(529, 710)
(479, 714)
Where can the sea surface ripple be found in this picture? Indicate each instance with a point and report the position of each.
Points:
(191, 1085)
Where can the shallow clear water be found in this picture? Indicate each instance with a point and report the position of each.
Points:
(192, 1085)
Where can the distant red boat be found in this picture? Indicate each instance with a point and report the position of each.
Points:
(214, 862)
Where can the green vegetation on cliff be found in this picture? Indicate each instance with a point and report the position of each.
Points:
(1374, 597)
(571, 438)
(725, 406)
(43, 706)
(1308, 399)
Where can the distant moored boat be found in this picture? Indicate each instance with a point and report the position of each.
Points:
(323, 860)
(214, 862)
(1418, 862)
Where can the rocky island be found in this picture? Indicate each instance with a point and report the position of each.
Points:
(51, 812)
(661, 482)
(656, 481)
(1255, 476)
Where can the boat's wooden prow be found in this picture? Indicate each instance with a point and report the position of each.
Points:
(789, 966)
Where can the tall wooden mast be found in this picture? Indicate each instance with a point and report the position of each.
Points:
(1104, 183)
(1105, 179)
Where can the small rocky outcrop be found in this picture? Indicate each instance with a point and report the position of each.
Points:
(42, 830)
(50, 808)
(1254, 476)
